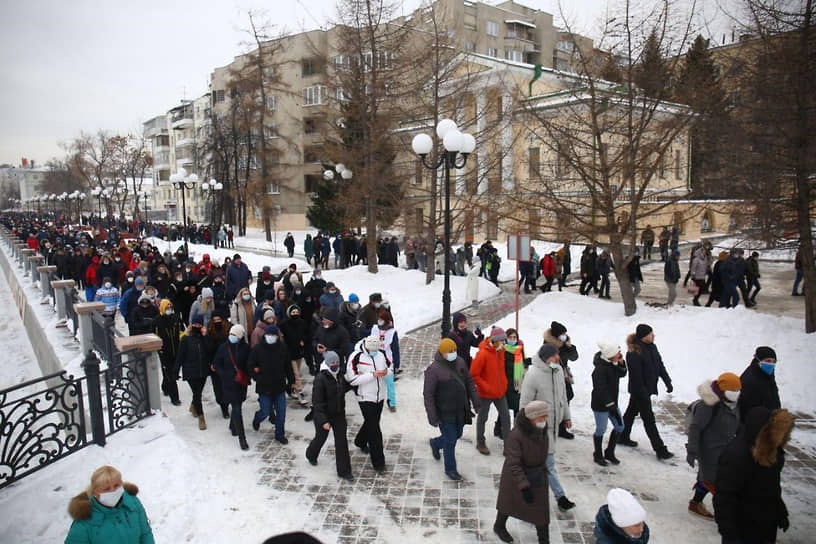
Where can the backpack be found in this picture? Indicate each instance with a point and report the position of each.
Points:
(356, 359)
(690, 414)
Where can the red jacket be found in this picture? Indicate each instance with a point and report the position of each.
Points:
(548, 266)
(90, 272)
(488, 371)
(32, 243)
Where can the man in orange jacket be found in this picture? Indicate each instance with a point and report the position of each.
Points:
(490, 378)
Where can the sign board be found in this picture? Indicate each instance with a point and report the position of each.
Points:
(518, 247)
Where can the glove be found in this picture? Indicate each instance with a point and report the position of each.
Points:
(784, 524)
(690, 460)
(527, 493)
(669, 387)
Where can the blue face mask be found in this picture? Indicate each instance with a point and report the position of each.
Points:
(767, 368)
(512, 342)
(234, 339)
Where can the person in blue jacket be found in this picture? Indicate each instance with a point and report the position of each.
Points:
(238, 277)
(130, 299)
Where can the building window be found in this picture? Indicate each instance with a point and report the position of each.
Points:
(314, 95)
(470, 47)
(272, 188)
(661, 167)
(513, 55)
(342, 95)
(271, 131)
(418, 172)
(218, 96)
(677, 165)
(565, 45)
(309, 125)
(310, 182)
(309, 67)
(492, 28)
(272, 102)
(492, 52)
(534, 165)
(342, 63)
(312, 154)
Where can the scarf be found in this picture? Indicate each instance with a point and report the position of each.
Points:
(518, 363)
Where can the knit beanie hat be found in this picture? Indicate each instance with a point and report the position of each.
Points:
(237, 330)
(497, 333)
(271, 329)
(764, 352)
(268, 314)
(207, 293)
(546, 351)
(372, 343)
(353, 297)
(728, 381)
(330, 357)
(446, 345)
(536, 409)
(557, 329)
(608, 349)
(642, 331)
(624, 508)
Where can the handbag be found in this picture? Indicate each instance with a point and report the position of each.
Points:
(241, 376)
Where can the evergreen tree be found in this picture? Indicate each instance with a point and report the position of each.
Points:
(325, 213)
(652, 72)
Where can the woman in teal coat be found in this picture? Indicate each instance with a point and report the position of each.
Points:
(108, 512)
(308, 248)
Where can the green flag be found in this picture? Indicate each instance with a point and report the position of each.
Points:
(537, 71)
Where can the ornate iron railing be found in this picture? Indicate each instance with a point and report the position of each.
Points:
(126, 393)
(39, 428)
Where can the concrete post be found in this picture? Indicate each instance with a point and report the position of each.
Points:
(34, 261)
(84, 311)
(62, 291)
(46, 273)
(26, 253)
(151, 344)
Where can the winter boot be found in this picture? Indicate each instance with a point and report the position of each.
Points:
(481, 447)
(202, 424)
(232, 428)
(564, 503)
(597, 455)
(624, 440)
(193, 410)
(664, 454)
(699, 509)
(225, 411)
(563, 432)
(238, 426)
(609, 453)
(500, 528)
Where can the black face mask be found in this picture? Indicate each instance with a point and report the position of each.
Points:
(196, 330)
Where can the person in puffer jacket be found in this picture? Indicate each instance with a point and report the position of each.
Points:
(621, 521)
(366, 371)
(329, 402)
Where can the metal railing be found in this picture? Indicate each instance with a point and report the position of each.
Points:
(44, 420)
(103, 333)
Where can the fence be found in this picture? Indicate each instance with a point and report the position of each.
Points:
(46, 419)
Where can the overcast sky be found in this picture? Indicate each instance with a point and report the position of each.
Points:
(80, 65)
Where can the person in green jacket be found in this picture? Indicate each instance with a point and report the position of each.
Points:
(108, 512)
(308, 248)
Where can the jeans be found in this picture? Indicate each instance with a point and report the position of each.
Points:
(341, 451)
(601, 419)
(484, 410)
(642, 406)
(604, 286)
(267, 402)
(753, 283)
(797, 280)
(446, 441)
(672, 287)
(370, 435)
(552, 476)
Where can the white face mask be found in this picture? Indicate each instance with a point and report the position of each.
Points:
(354, 305)
(541, 424)
(169, 311)
(380, 322)
(111, 498)
(451, 356)
(108, 285)
(563, 337)
(554, 365)
(377, 304)
(271, 339)
(732, 395)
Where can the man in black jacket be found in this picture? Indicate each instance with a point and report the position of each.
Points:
(270, 366)
(645, 367)
(758, 383)
(464, 338)
(329, 409)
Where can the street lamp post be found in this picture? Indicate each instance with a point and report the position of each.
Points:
(213, 187)
(181, 181)
(457, 148)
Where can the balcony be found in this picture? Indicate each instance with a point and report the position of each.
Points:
(184, 161)
(185, 142)
(182, 117)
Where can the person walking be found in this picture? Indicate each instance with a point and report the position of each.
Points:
(748, 504)
(622, 520)
(715, 280)
(270, 366)
(464, 338)
(169, 327)
(714, 420)
(647, 238)
(108, 512)
(515, 364)
(604, 267)
(448, 392)
(193, 360)
(523, 484)
(289, 243)
(635, 274)
(752, 277)
(544, 382)
(389, 344)
(671, 275)
(699, 271)
(490, 378)
(366, 370)
(645, 366)
(800, 274)
(557, 336)
(329, 412)
(759, 383)
(230, 363)
(610, 367)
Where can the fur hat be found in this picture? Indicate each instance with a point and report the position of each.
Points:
(446, 345)
(237, 330)
(764, 352)
(642, 331)
(624, 508)
(557, 329)
(728, 381)
(546, 351)
(372, 343)
(536, 409)
(497, 333)
(608, 349)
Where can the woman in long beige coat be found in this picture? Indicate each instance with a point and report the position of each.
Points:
(523, 492)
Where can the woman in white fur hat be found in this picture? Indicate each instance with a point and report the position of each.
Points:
(610, 367)
(622, 520)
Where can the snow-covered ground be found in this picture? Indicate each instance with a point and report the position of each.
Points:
(199, 487)
(22, 365)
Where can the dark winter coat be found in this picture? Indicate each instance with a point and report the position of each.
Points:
(296, 330)
(270, 366)
(169, 328)
(129, 300)
(758, 389)
(350, 321)
(605, 383)
(606, 532)
(193, 356)
(645, 367)
(748, 503)
(633, 268)
(141, 319)
(713, 425)
(329, 396)
(525, 454)
(447, 400)
(335, 338)
(752, 268)
(368, 317)
(238, 277)
(671, 270)
(464, 340)
(223, 363)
